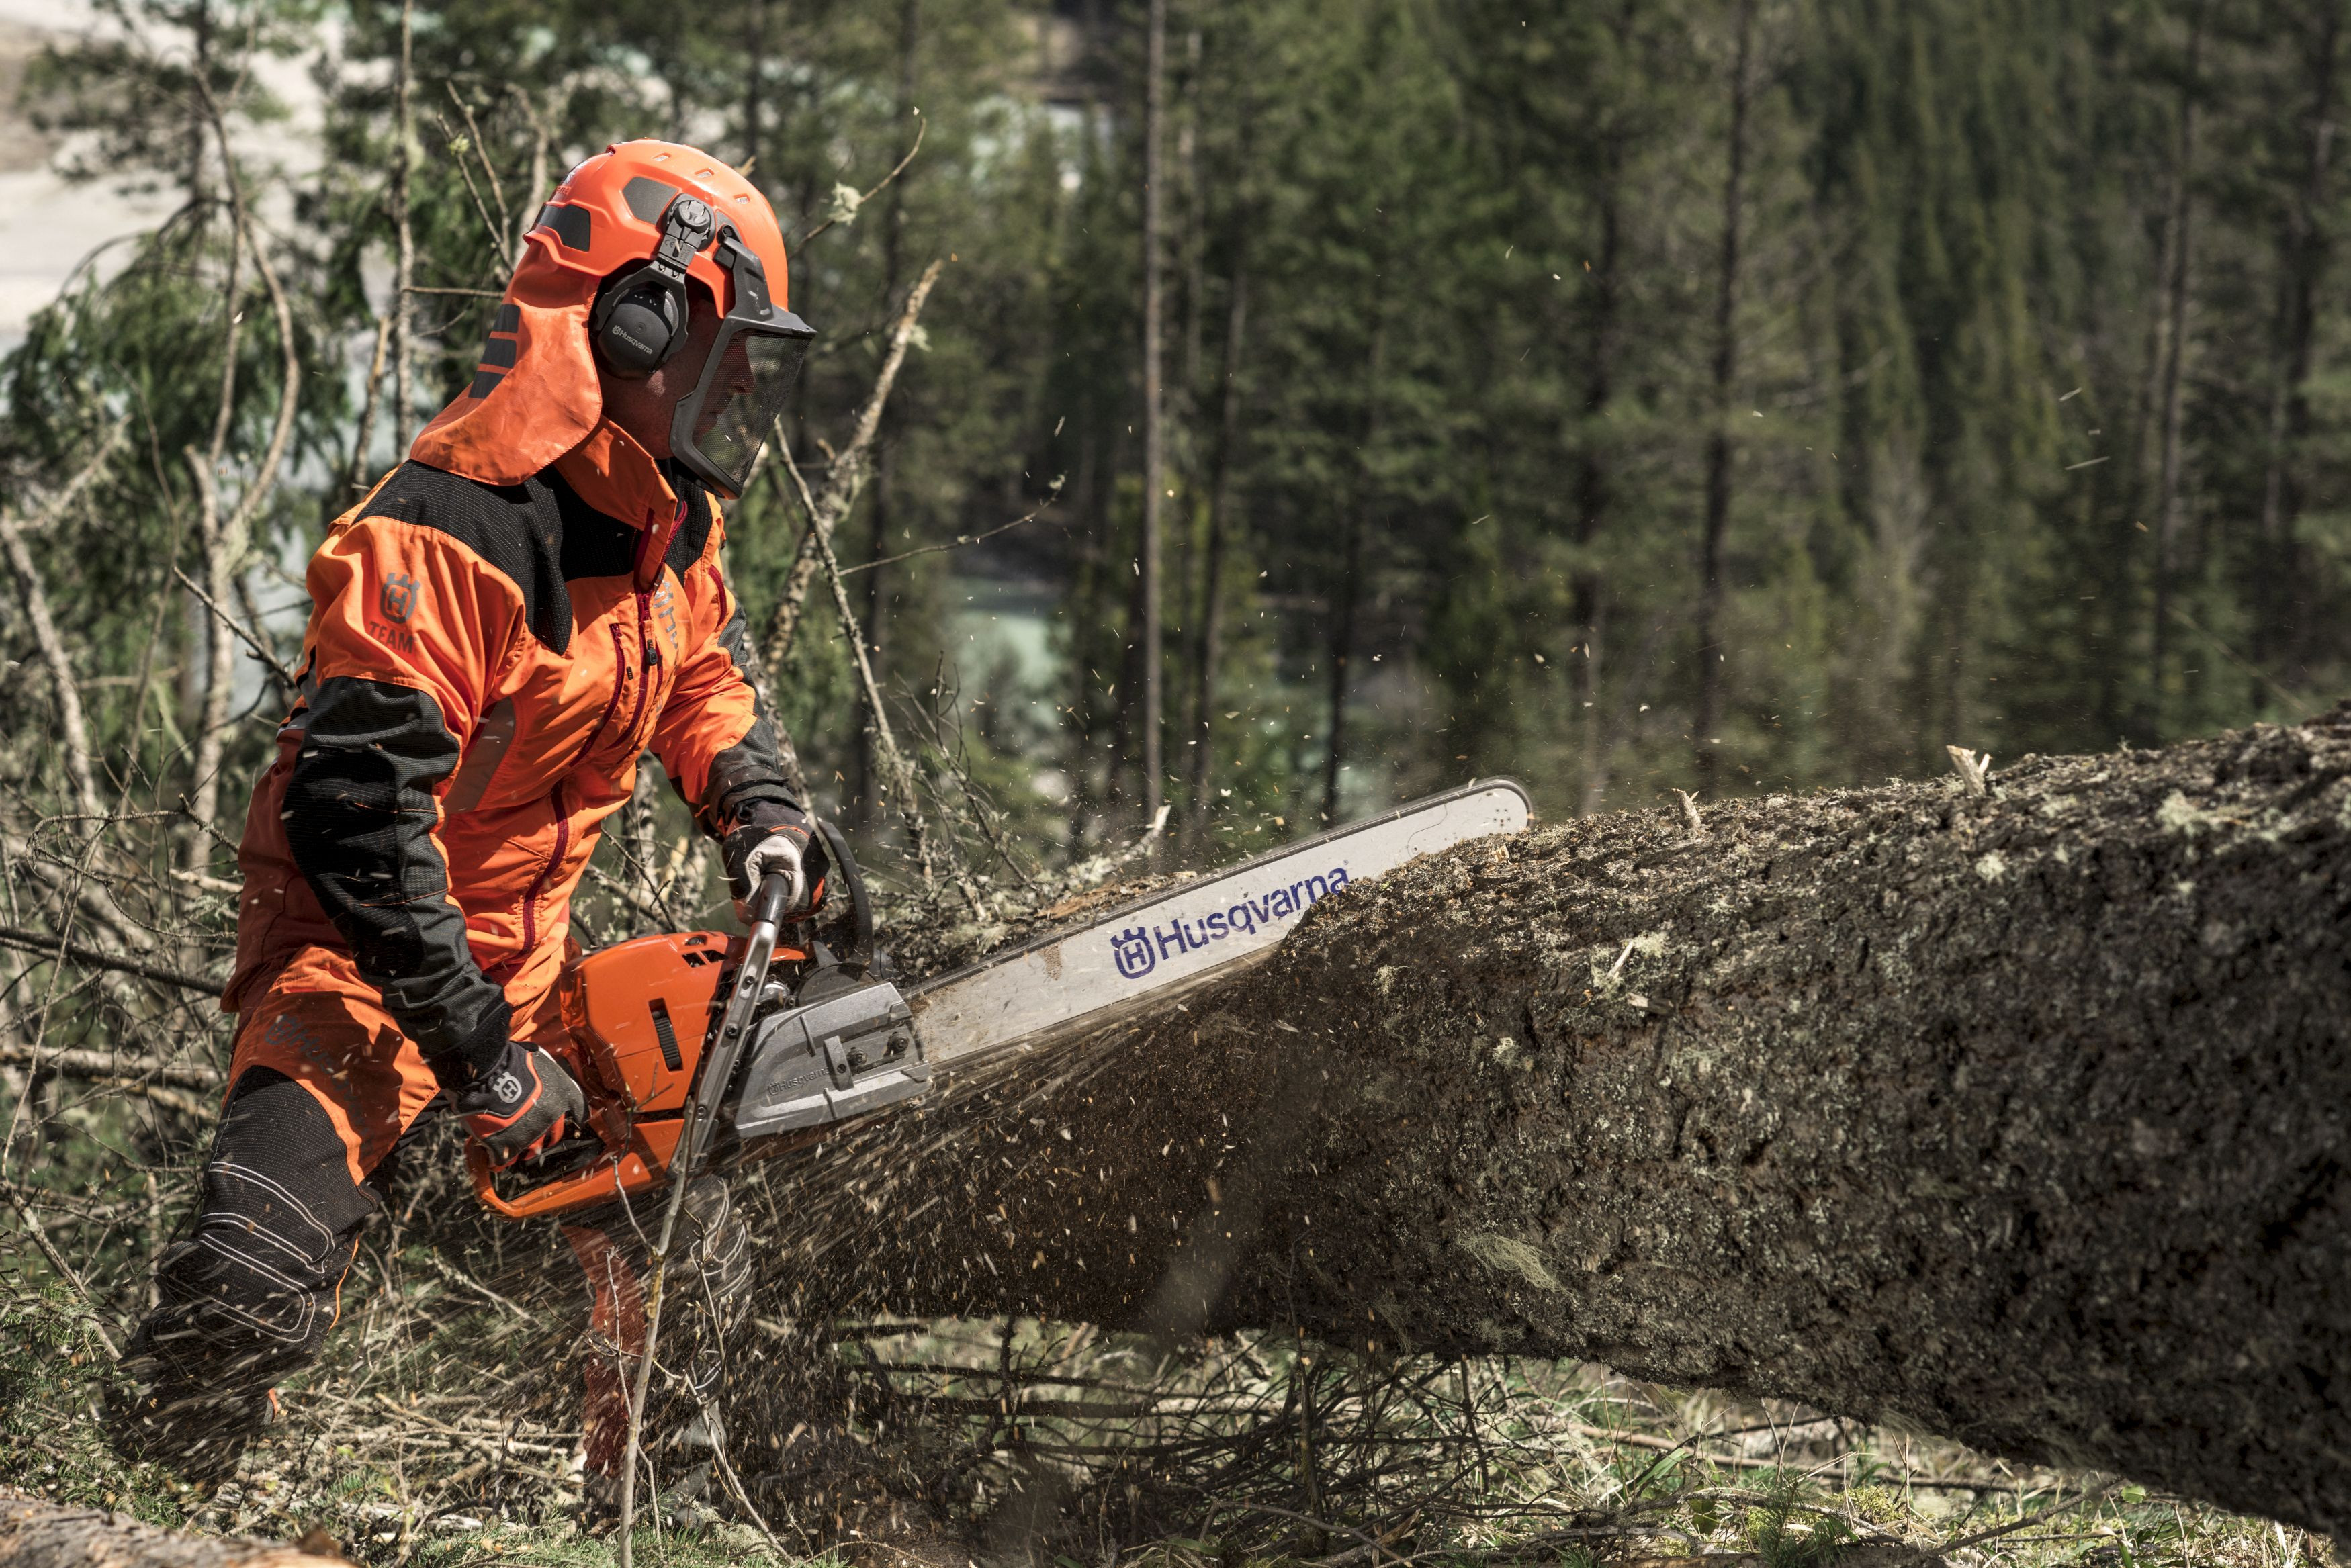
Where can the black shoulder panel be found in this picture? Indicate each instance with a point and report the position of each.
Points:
(517, 528)
(686, 545)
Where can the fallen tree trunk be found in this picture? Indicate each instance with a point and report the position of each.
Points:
(2020, 1117)
(36, 1534)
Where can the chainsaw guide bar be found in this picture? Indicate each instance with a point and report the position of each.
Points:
(1140, 955)
(819, 1040)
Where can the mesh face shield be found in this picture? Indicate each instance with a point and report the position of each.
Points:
(722, 423)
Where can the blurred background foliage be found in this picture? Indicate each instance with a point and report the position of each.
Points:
(1721, 394)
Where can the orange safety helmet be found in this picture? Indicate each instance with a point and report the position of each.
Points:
(603, 278)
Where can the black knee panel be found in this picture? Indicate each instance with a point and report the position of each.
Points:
(249, 1295)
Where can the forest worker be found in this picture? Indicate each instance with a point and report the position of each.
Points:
(498, 632)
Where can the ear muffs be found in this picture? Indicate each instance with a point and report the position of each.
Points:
(639, 320)
(637, 325)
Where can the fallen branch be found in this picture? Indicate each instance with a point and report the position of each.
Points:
(106, 1066)
(50, 946)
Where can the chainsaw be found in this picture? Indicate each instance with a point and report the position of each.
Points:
(698, 1048)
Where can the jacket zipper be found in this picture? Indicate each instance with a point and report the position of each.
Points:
(652, 658)
(650, 661)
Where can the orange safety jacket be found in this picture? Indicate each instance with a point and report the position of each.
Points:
(485, 664)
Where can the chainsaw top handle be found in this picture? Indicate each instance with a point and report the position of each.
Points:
(859, 959)
(774, 897)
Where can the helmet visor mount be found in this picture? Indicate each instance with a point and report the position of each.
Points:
(753, 362)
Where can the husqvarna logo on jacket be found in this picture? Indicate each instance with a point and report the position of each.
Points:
(397, 597)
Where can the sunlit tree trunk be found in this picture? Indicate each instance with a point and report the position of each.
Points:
(2304, 252)
(885, 516)
(2175, 315)
(1152, 675)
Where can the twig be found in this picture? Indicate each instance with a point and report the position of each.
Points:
(489, 172)
(278, 672)
(1689, 813)
(921, 125)
(1975, 771)
(961, 541)
(1978, 1539)
(64, 1269)
(496, 231)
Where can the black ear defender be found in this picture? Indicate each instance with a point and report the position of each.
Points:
(640, 318)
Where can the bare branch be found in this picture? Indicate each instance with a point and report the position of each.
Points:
(846, 479)
(73, 727)
(225, 541)
(403, 274)
(496, 231)
(278, 672)
(366, 436)
(850, 215)
(961, 542)
(489, 172)
(51, 947)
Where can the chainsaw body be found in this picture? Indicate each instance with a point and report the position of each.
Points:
(825, 1044)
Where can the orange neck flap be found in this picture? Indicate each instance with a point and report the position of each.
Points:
(536, 395)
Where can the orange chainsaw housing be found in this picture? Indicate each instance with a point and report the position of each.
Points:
(638, 1013)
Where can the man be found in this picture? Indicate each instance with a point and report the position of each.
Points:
(498, 633)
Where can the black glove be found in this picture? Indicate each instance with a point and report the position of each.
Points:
(776, 840)
(519, 1107)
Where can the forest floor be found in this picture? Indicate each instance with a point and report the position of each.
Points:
(1021, 1443)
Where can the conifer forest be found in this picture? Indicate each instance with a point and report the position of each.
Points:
(1859, 464)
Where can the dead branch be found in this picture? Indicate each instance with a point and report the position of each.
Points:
(845, 480)
(495, 230)
(225, 541)
(961, 541)
(58, 1264)
(73, 728)
(111, 1067)
(50, 946)
(278, 672)
(366, 436)
(404, 270)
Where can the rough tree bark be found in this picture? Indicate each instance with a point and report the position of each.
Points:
(2024, 1118)
(36, 1534)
